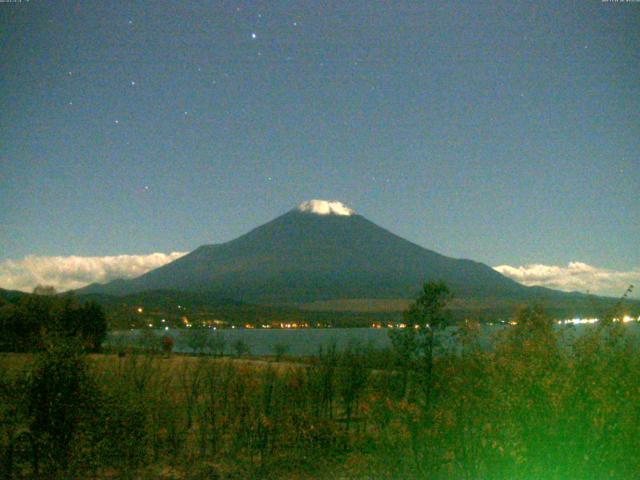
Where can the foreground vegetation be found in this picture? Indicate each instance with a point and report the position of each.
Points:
(542, 403)
(30, 321)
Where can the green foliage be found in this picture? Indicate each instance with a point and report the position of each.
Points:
(197, 339)
(93, 325)
(415, 344)
(60, 402)
(44, 290)
(351, 379)
(149, 341)
(430, 306)
(543, 402)
(279, 350)
(240, 348)
(215, 344)
(85, 321)
(27, 323)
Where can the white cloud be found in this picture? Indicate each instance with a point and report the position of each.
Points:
(66, 273)
(325, 207)
(576, 276)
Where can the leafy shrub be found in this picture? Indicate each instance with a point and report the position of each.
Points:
(61, 402)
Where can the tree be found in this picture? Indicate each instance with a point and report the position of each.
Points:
(61, 396)
(240, 347)
(27, 322)
(215, 344)
(352, 379)
(87, 321)
(197, 339)
(45, 290)
(93, 325)
(279, 350)
(24, 324)
(415, 344)
(415, 347)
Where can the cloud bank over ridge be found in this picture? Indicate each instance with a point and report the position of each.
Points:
(576, 276)
(71, 272)
(67, 273)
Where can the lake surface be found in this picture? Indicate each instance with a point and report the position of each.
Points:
(303, 342)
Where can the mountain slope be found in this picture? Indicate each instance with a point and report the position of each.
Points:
(305, 256)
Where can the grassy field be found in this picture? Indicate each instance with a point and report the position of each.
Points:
(536, 406)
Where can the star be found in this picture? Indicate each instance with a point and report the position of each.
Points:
(117, 122)
(253, 35)
(133, 84)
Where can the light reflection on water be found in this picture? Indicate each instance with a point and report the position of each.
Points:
(308, 341)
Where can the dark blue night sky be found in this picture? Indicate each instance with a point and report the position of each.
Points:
(505, 132)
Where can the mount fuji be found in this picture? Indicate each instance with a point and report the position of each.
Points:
(323, 251)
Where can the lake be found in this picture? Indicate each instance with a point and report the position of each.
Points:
(303, 342)
(299, 342)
